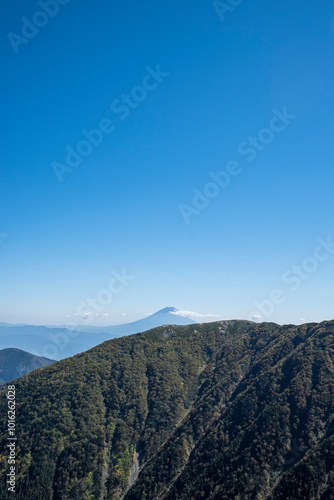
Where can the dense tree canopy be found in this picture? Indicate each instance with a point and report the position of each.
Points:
(215, 411)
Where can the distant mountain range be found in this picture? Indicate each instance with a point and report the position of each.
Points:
(165, 316)
(14, 363)
(224, 410)
(59, 343)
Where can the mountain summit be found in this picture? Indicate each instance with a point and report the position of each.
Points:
(165, 316)
(59, 343)
(167, 310)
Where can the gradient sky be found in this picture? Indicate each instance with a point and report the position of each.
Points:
(120, 207)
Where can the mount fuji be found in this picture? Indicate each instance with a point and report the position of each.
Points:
(166, 316)
(62, 342)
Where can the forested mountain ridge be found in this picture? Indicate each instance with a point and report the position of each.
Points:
(63, 342)
(227, 410)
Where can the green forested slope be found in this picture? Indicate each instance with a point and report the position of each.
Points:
(223, 410)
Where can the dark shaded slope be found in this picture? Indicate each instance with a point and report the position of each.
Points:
(14, 363)
(281, 412)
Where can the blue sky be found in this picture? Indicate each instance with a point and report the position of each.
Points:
(120, 207)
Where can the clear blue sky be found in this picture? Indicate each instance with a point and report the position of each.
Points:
(120, 208)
